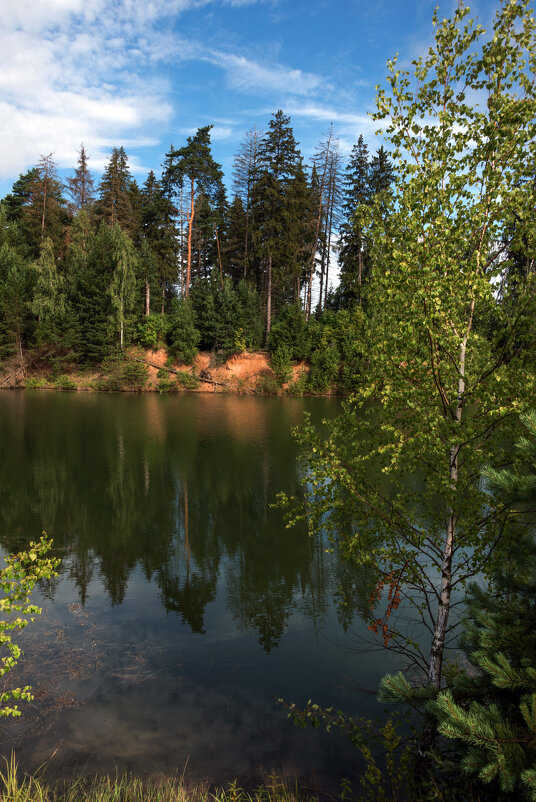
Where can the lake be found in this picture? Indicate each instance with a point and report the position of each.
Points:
(184, 608)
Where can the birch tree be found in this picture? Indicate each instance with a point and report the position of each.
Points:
(397, 480)
(123, 285)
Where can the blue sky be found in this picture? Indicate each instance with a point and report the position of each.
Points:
(145, 73)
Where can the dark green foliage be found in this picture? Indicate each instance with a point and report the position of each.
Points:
(282, 363)
(366, 179)
(268, 385)
(491, 709)
(159, 241)
(325, 363)
(134, 375)
(152, 331)
(63, 382)
(107, 269)
(186, 380)
(19, 197)
(183, 335)
(115, 202)
(91, 298)
(228, 318)
(291, 329)
(16, 283)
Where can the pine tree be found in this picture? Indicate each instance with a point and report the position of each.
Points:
(19, 197)
(193, 164)
(44, 214)
(353, 256)
(91, 274)
(245, 176)
(80, 185)
(331, 217)
(279, 161)
(321, 164)
(237, 234)
(114, 204)
(159, 234)
(15, 294)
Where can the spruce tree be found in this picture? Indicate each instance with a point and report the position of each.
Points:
(353, 256)
(45, 214)
(15, 295)
(245, 176)
(279, 162)
(80, 185)
(114, 204)
(491, 709)
(159, 234)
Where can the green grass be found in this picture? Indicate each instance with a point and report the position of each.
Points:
(15, 787)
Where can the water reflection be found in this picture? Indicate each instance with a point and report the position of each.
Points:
(184, 608)
(180, 487)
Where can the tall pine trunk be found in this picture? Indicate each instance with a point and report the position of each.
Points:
(269, 300)
(190, 228)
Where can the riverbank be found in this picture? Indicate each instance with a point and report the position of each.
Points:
(146, 370)
(15, 787)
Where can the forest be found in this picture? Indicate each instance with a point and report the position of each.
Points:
(426, 478)
(86, 271)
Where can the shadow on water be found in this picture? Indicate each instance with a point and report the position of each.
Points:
(184, 607)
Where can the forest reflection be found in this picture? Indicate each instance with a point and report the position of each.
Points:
(179, 486)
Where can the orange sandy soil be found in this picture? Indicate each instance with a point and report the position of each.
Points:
(238, 374)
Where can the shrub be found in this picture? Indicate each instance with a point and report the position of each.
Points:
(134, 375)
(165, 385)
(33, 383)
(239, 341)
(324, 368)
(299, 387)
(17, 580)
(152, 331)
(268, 384)
(64, 383)
(282, 363)
(187, 380)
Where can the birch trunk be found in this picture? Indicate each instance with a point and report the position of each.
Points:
(438, 642)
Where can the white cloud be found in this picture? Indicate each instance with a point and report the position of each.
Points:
(248, 75)
(69, 73)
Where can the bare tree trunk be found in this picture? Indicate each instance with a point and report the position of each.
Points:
(428, 733)
(328, 258)
(269, 300)
(190, 227)
(181, 244)
(147, 298)
(219, 256)
(317, 231)
(322, 270)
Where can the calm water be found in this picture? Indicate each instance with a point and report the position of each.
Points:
(184, 608)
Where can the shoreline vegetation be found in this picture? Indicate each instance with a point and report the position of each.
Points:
(147, 370)
(16, 786)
